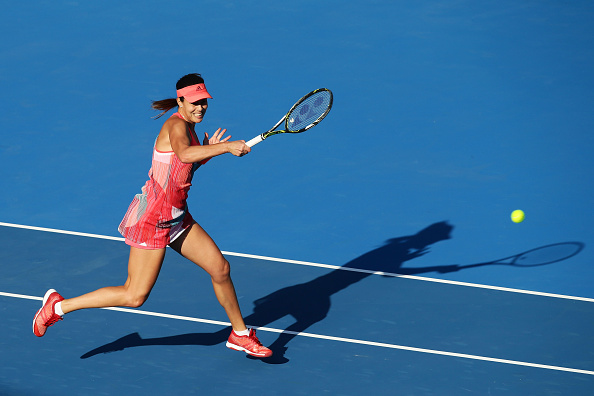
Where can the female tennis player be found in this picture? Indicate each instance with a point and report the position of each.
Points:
(159, 217)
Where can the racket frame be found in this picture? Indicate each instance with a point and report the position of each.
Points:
(274, 131)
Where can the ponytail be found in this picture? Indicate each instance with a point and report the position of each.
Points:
(164, 105)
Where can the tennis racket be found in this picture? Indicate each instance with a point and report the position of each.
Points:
(305, 114)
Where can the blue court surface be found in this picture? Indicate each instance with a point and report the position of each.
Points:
(375, 253)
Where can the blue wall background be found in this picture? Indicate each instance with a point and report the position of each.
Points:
(444, 111)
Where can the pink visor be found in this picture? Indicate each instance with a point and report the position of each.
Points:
(194, 93)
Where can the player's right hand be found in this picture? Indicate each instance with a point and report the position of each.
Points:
(238, 148)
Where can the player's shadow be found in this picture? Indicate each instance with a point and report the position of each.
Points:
(310, 302)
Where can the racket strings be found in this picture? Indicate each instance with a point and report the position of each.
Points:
(309, 111)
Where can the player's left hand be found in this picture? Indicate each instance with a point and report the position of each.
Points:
(217, 137)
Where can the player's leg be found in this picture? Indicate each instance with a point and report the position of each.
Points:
(144, 266)
(197, 246)
(143, 270)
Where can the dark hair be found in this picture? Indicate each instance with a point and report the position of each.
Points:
(167, 104)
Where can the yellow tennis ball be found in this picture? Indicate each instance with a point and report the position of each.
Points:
(518, 216)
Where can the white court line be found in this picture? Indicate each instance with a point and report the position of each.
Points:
(61, 231)
(328, 266)
(338, 339)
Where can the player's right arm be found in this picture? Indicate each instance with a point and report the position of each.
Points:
(174, 137)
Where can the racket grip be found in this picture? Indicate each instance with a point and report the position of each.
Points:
(254, 141)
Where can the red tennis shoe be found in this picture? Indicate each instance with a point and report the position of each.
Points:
(249, 344)
(46, 316)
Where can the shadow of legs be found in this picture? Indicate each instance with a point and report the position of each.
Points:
(135, 340)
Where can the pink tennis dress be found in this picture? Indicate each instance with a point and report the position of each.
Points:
(159, 215)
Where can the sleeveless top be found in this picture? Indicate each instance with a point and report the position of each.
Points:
(161, 204)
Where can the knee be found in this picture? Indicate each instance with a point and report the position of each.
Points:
(135, 300)
(222, 272)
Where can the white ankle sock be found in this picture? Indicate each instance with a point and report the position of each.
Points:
(58, 308)
(245, 332)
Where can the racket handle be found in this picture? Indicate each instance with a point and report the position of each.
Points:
(254, 141)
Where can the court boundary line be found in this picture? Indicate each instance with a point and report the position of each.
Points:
(333, 338)
(329, 266)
